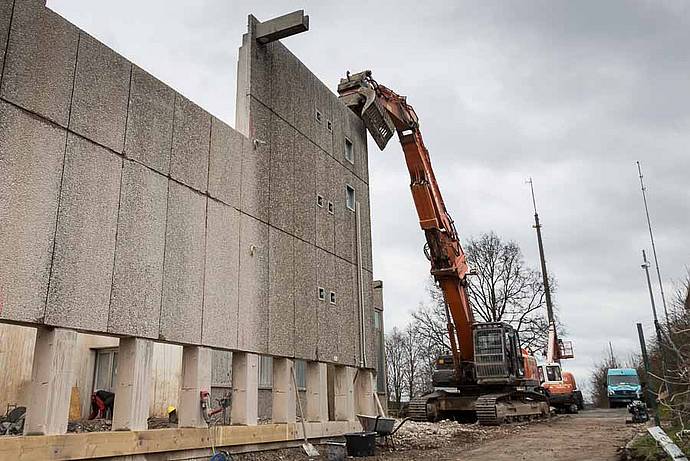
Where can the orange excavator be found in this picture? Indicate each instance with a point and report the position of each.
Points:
(559, 386)
(488, 376)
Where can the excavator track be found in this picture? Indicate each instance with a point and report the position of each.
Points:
(496, 409)
(416, 409)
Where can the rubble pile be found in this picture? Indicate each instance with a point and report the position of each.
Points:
(424, 435)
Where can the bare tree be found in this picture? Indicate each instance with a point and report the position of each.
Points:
(395, 364)
(505, 289)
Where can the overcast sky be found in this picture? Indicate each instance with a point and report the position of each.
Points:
(570, 93)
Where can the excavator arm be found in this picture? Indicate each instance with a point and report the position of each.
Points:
(384, 113)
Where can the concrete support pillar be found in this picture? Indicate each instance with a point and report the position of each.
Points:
(196, 377)
(132, 388)
(52, 377)
(317, 392)
(343, 390)
(364, 393)
(245, 389)
(284, 401)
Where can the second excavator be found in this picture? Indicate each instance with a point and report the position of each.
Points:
(488, 376)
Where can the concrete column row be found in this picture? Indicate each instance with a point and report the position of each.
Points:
(53, 377)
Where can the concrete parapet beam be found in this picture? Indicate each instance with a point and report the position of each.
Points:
(282, 27)
(196, 377)
(317, 392)
(245, 389)
(52, 377)
(133, 385)
(283, 393)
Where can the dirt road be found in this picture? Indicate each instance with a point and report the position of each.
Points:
(590, 435)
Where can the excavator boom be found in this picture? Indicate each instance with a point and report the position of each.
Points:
(384, 113)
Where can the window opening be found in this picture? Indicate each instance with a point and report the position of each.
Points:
(349, 151)
(350, 197)
(332, 297)
(322, 294)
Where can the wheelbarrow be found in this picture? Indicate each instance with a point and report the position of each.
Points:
(385, 428)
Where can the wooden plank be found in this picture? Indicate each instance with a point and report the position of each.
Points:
(667, 444)
(123, 443)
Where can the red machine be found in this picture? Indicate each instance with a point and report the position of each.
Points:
(488, 376)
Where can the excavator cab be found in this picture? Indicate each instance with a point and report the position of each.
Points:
(497, 354)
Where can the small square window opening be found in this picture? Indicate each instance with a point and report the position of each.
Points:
(319, 117)
(332, 297)
(319, 200)
(350, 197)
(331, 208)
(329, 125)
(349, 151)
(322, 294)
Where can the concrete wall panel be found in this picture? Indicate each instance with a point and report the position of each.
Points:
(362, 191)
(40, 61)
(345, 286)
(183, 273)
(284, 82)
(80, 282)
(341, 132)
(329, 334)
(281, 298)
(31, 156)
(135, 302)
(256, 163)
(306, 300)
(305, 188)
(190, 144)
(345, 228)
(323, 102)
(253, 295)
(225, 168)
(359, 142)
(221, 283)
(150, 121)
(303, 101)
(260, 69)
(5, 17)
(101, 94)
(325, 219)
(282, 195)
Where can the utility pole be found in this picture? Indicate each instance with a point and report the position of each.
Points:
(614, 363)
(651, 238)
(657, 327)
(645, 358)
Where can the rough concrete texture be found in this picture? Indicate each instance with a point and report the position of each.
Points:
(135, 302)
(225, 167)
(281, 298)
(305, 208)
(362, 194)
(81, 277)
(40, 61)
(358, 136)
(341, 132)
(101, 94)
(256, 160)
(31, 155)
(284, 82)
(303, 101)
(150, 121)
(323, 102)
(306, 314)
(329, 334)
(183, 273)
(281, 185)
(345, 220)
(190, 144)
(346, 307)
(221, 282)
(253, 294)
(5, 17)
(325, 220)
(260, 68)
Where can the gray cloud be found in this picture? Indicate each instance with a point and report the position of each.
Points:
(570, 93)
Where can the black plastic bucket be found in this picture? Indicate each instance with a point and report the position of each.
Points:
(360, 444)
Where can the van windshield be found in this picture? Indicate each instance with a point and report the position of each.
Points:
(623, 379)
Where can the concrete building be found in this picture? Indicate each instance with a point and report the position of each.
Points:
(133, 218)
